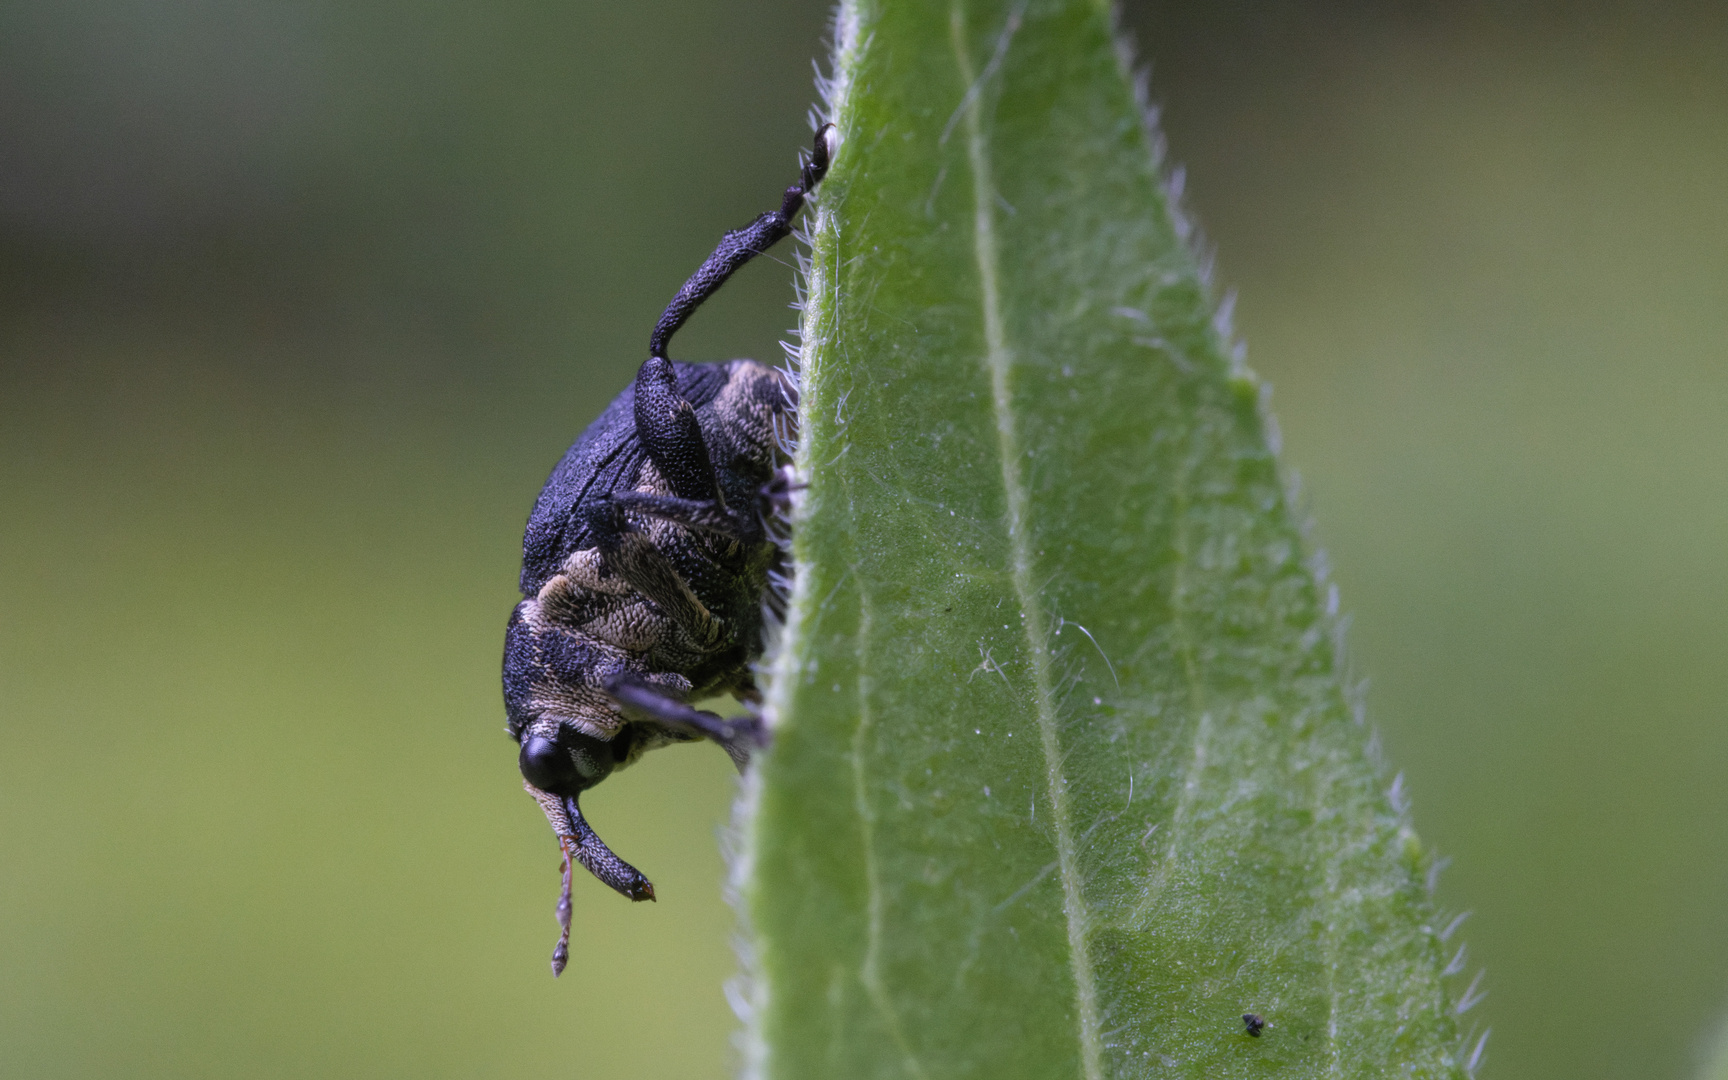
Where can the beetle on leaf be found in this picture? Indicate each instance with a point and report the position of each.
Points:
(646, 565)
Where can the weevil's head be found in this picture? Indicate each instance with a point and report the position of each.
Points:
(559, 762)
(568, 761)
(557, 766)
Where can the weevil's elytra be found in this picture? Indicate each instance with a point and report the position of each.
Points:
(646, 566)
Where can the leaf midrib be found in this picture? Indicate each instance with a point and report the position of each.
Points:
(999, 360)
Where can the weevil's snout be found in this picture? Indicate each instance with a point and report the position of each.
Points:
(566, 765)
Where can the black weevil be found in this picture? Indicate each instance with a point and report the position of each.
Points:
(646, 565)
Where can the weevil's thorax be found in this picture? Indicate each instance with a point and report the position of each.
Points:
(741, 427)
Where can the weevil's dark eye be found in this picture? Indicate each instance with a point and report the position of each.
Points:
(568, 765)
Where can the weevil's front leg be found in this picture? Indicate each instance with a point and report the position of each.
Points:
(646, 703)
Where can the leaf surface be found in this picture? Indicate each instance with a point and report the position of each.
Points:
(1065, 779)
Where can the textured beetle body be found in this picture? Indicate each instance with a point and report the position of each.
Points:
(647, 566)
(583, 623)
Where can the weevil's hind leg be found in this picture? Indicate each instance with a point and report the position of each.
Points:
(665, 420)
(741, 245)
(666, 424)
(645, 703)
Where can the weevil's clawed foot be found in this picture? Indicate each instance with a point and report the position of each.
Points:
(821, 152)
(749, 734)
(750, 727)
(775, 497)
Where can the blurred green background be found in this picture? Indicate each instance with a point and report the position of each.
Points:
(300, 301)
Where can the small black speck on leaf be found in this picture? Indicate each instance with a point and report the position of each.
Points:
(1254, 1022)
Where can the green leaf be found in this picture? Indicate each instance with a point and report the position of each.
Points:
(1065, 778)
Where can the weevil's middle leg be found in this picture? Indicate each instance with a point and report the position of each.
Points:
(774, 499)
(631, 555)
(702, 515)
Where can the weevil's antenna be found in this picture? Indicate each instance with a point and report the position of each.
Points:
(741, 245)
(561, 953)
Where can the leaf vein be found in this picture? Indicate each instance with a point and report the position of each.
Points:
(999, 360)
